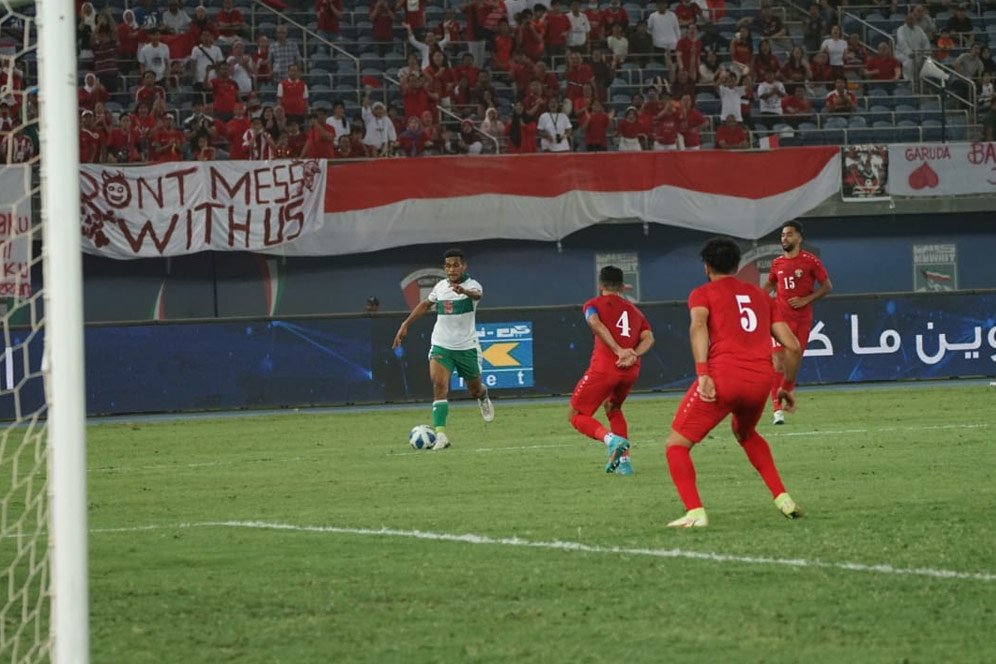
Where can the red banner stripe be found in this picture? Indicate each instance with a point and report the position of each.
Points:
(751, 175)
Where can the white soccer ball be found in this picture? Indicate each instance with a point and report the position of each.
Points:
(422, 437)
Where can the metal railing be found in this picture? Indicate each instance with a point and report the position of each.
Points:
(306, 35)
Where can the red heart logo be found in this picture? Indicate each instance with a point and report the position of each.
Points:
(924, 177)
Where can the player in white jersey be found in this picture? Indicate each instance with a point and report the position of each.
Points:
(454, 341)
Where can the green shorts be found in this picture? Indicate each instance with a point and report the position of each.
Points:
(467, 362)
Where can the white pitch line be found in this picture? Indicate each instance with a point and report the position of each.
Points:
(832, 432)
(579, 547)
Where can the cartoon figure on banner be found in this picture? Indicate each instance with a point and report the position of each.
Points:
(117, 193)
(865, 172)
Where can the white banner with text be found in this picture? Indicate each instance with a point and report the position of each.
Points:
(15, 231)
(181, 208)
(942, 169)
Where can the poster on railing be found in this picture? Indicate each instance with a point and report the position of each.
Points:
(15, 232)
(942, 169)
(864, 173)
(181, 208)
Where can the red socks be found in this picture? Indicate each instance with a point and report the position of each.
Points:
(759, 453)
(776, 382)
(589, 426)
(679, 461)
(617, 423)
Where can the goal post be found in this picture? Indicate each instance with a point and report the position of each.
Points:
(63, 275)
(44, 612)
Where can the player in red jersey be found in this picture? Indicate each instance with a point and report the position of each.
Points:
(622, 335)
(732, 325)
(792, 278)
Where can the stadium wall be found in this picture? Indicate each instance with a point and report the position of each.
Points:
(289, 362)
(862, 254)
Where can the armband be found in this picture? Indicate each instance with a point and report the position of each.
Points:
(701, 368)
(788, 385)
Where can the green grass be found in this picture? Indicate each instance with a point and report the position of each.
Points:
(915, 488)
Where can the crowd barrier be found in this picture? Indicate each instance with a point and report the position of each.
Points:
(239, 364)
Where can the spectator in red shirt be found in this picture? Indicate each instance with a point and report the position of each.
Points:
(204, 151)
(631, 132)
(597, 23)
(731, 135)
(149, 92)
(230, 23)
(235, 129)
(225, 93)
(529, 36)
(551, 86)
(666, 131)
(841, 101)
(167, 142)
(557, 27)
(413, 139)
(320, 141)
(690, 124)
(130, 35)
(882, 66)
(296, 139)
(328, 12)
(764, 61)
(688, 13)
(92, 92)
(415, 97)
(90, 143)
(578, 75)
(292, 94)
(121, 142)
(595, 124)
(521, 131)
(796, 67)
(615, 14)
(683, 85)
(742, 48)
(690, 52)
(820, 68)
(262, 68)
(504, 44)
(855, 55)
(382, 18)
(796, 109)
(414, 15)
(469, 69)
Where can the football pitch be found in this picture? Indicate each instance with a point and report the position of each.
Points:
(323, 537)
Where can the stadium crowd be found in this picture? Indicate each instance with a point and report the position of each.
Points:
(492, 75)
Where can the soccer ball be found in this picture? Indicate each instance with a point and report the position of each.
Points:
(422, 437)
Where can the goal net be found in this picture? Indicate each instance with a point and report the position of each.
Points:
(43, 595)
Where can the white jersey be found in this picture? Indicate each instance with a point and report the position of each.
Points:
(456, 322)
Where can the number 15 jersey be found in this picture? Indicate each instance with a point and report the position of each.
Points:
(623, 320)
(740, 317)
(796, 277)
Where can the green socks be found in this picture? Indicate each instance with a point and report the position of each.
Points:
(440, 410)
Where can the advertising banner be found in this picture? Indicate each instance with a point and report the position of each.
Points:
(942, 169)
(228, 365)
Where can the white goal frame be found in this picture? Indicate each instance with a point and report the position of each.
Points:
(63, 276)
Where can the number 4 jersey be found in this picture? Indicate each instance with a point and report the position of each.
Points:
(740, 317)
(623, 320)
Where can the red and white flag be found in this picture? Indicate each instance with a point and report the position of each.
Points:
(769, 142)
(294, 209)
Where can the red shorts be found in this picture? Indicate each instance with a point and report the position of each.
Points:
(800, 328)
(597, 387)
(742, 395)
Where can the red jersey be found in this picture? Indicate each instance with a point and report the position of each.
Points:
(795, 277)
(690, 126)
(293, 96)
(884, 68)
(225, 95)
(740, 317)
(557, 27)
(328, 20)
(595, 21)
(503, 52)
(89, 146)
(625, 322)
(611, 16)
(630, 129)
(667, 129)
(595, 132)
(792, 105)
